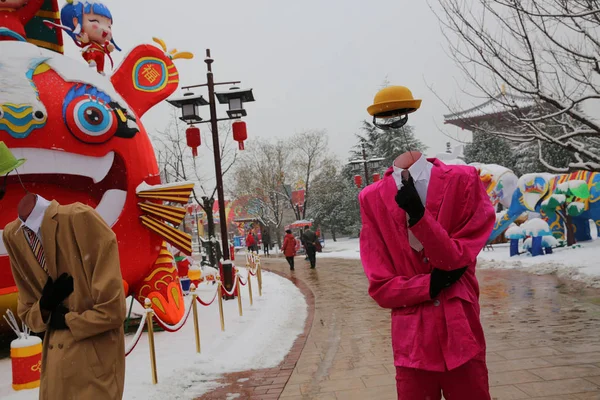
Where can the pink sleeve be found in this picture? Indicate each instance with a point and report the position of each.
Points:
(459, 248)
(386, 287)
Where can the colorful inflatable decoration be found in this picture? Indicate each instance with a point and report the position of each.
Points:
(499, 182)
(82, 136)
(536, 191)
(14, 15)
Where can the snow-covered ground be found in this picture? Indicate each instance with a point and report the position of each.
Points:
(581, 264)
(259, 339)
(344, 248)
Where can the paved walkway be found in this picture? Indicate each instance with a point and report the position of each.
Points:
(543, 337)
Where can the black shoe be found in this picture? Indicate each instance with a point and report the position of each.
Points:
(292, 269)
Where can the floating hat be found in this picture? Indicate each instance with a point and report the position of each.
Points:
(8, 161)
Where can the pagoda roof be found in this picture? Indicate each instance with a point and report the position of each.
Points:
(494, 107)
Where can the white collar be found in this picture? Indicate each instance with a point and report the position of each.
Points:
(35, 219)
(418, 170)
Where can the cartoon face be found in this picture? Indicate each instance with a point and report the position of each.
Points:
(91, 147)
(97, 27)
(12, 3)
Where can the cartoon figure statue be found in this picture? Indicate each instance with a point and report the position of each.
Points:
(92, 148)
(89, 24)
(14, 15)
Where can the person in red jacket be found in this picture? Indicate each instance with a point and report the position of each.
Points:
(250, 241)
(289, 248)
(14, 15)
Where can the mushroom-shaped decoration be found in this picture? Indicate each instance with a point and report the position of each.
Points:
(515, 233)
(537, 228)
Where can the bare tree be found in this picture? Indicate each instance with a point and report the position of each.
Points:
(261, 174)
(176, 163)
(544, 51)
(311, 155)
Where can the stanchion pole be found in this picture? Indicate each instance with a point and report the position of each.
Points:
(250, 287)
(237, 277)
(149, 316)
(259, 278)
(195, 311)
(220, 296)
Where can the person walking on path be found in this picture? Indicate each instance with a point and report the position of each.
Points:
(250, 242)
(423, 226)
(310, 243)
(266, 238)
(289, 248)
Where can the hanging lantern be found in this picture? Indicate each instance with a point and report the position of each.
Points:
(376, 177)
(239, 133)
(358, 181)
(192, 135)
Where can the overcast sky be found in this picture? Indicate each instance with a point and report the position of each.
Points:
(313, 64)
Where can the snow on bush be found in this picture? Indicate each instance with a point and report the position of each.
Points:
(562, 187)
(578, 205)
(536, 227)
(574, 184)
(515, 232)
(560, 198)
(549, 241)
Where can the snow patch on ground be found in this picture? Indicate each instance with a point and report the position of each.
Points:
(344, 248)
(259, 339)
(580, 264)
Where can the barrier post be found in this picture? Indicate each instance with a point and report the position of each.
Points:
(195, 311)
(220, 296)
(237, 277)
(259, 278)
(149, 316)
(250, 287)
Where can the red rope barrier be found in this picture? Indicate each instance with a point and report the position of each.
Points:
(209, 303)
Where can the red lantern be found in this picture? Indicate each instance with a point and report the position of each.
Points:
(240, 133)
(376, 177)
(358, 181)
(192, 135)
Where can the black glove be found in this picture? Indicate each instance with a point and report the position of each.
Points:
(408, 199)
(55, 292)
(441, 279)
(57, 318)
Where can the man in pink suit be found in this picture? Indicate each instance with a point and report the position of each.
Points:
(422, 231)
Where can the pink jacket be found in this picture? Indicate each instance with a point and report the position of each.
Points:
(431, 335)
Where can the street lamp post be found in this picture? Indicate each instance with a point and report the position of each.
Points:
(189, 107)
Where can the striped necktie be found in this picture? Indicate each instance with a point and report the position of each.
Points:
(36, 247)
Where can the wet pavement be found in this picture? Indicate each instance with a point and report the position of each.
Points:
(543, 336)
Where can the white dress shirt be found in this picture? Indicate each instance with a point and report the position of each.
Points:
(421, 173)
(35, 219)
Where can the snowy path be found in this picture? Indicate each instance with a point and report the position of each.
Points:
(259, 339)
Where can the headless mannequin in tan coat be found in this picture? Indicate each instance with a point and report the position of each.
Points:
(86, 360)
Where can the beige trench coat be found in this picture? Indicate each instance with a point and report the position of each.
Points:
(87, 361)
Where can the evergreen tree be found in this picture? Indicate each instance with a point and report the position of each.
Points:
(386, 144)
(334, 205)
(490, 149)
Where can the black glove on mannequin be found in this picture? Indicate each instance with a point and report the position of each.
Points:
(408, 199)
(55, 292)
(441, 279)
(57, 318)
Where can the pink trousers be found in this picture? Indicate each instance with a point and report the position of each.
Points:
(469, 381)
